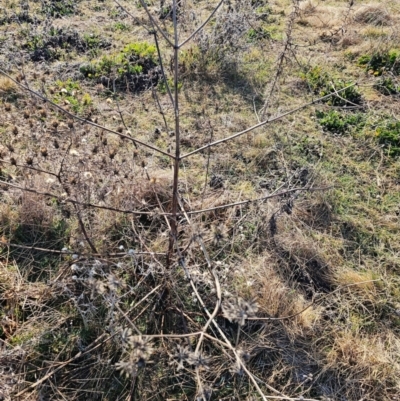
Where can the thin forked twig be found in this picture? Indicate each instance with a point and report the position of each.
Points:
(202, 25)
(154, 23)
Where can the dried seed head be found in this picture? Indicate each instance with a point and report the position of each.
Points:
(238, 310)
(43, 152)
(29, 160)
(181, 355)
(114, 283)
(15, 130)
(128, 368)
(112, 153)
(13, 161)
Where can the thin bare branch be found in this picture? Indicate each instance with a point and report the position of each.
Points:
(80, 254)
(84, 120)
(245, 202)
(154, 23)
(202, 25)
(265, 122)
(64, 199)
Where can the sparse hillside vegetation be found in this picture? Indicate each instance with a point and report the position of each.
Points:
(200, 200)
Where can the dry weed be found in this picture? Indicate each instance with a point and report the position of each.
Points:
(6, 86)
(373, 15)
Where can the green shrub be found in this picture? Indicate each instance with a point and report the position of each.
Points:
(322, 84)
(389, 136)
(70, 93)
(255, 34)
(120, 26)
(379, 62)
(135, 65)
(387, 86)
(340, 123)
(59, 8)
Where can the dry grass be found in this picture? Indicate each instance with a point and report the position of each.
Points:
(6, 86)
(376, 15)
(321, 264)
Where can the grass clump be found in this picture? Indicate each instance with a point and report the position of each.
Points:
(261, 33)
(134, 67)
(373, 15)
(59, 8)
(7, 87)
(322, 84)
(381, 62)
(389, 136)
(56, 43)
(340, 123)
(387, 86)
(70, 93)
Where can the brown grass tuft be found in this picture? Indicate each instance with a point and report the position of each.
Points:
(368, 358)
(6, 86)
(374, 15)
(276, 298)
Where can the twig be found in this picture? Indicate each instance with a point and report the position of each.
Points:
(89, 348)
(84, 120)
(245, 202)
(80, 254)
(63, 199)
(202, 25)
(262, 123)
(154, 23)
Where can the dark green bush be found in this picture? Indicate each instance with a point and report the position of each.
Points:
(322, 84)
(340, 123)
(387, 86)
(135, 66)
(389, 136)
(379, 62)
(59, 8)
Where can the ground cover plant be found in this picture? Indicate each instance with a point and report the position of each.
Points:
(199, 200)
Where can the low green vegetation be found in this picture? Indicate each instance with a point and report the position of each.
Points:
(59, 8)
(323, 84)
(340, 122)
(287, 209)
(388, 134)
(381, 62)
(387, 86)
(70, 93)
(135, 65)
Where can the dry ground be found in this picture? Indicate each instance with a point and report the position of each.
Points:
(84, 203)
